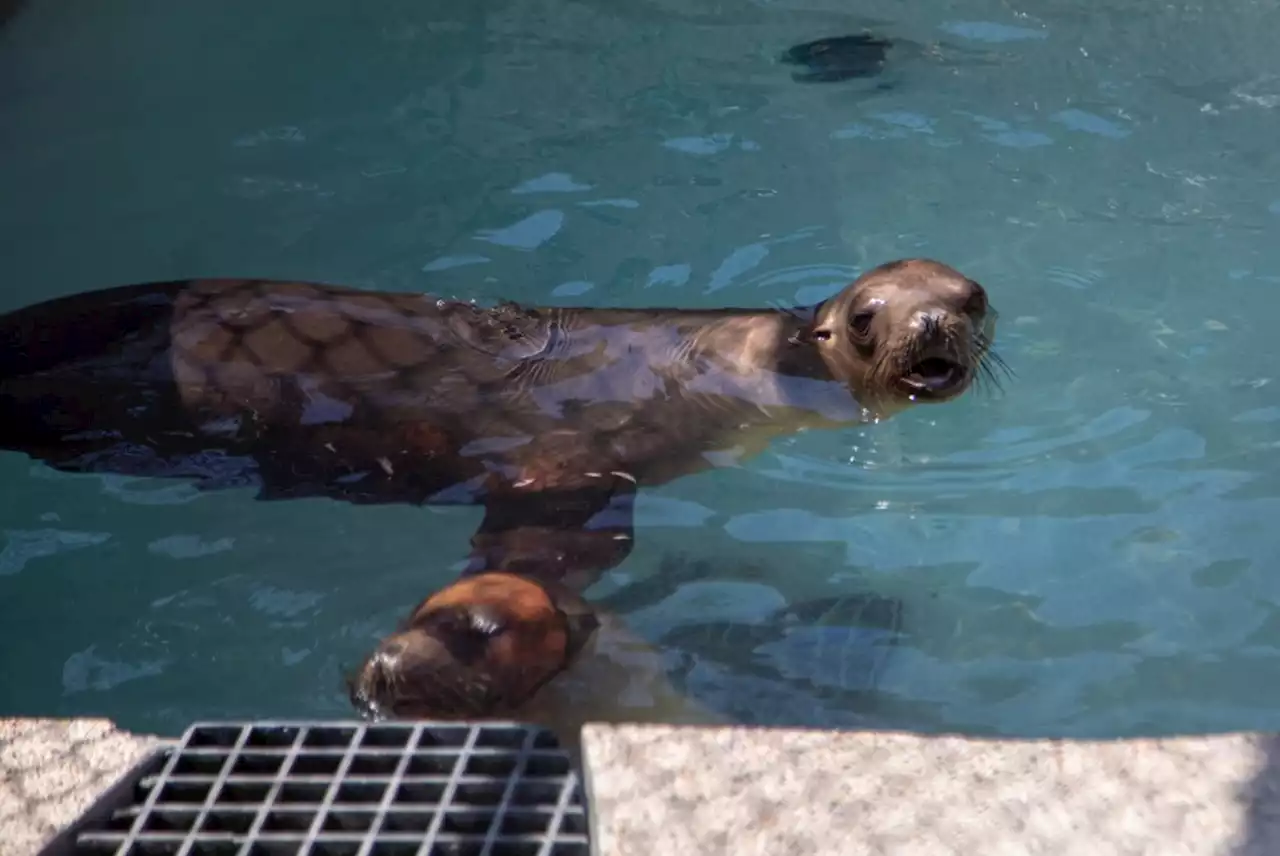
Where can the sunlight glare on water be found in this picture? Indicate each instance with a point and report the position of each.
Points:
(1089, 551)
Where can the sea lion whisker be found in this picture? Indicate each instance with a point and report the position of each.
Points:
(992, 370)
(989, 355)
(883, 367)
(992, 356)
(436, 688)
(986, 379)
(884, 360)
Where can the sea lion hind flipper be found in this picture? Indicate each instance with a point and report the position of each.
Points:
(92, 329)
(82, 372)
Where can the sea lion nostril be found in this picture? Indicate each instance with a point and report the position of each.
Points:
(928, 322)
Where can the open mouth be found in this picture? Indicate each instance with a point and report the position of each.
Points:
(934, 375)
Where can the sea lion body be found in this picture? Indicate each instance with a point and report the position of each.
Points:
(549, 417)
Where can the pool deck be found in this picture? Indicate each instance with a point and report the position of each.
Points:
(746, 791)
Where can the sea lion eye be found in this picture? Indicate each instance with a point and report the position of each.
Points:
(484, 624)
(861, 324)
(474, 623)
(466, 633)
(977, 302)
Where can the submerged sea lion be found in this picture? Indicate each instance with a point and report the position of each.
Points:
(548, 417)
(504, 646)
(498, 645)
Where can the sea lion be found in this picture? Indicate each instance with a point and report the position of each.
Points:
(551, 418)
(497, 645)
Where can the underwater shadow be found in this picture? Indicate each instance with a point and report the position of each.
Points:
(9, 9)
(813, 662)
(1261, 796)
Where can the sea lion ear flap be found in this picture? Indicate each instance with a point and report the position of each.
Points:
(812, 326)
(810, 333)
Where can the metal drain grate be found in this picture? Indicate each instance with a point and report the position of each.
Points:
(343, 789)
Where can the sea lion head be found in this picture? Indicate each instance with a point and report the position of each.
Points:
(906, 332)
(479, 648)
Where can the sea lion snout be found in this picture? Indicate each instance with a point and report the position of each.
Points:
(373, 689)
(415, 673)
(479, 648)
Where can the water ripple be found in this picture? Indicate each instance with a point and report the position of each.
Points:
(528, 234)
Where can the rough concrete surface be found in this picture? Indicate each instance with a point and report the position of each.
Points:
(744, 791)
(51, 770)
(752, 791)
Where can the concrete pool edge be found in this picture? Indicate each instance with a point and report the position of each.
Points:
(52, 770)
(768, 791)
(679, 789)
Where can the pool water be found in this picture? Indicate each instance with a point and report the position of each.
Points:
(1090, 552)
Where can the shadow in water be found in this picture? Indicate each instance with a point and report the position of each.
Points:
(1262, 804)
(9, 9)
(813, 661)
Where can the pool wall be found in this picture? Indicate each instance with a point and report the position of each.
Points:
(746, 791)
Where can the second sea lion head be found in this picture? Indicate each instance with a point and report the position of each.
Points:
(479, 648)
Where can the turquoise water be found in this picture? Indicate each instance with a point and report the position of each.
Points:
(1091, 552)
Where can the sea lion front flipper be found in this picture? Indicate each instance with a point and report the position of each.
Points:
(570, 535)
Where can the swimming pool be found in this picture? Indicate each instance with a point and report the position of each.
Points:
(1089, 552)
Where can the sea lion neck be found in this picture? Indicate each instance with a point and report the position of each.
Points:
(770, 366)
(773, 340)
(796, 354)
